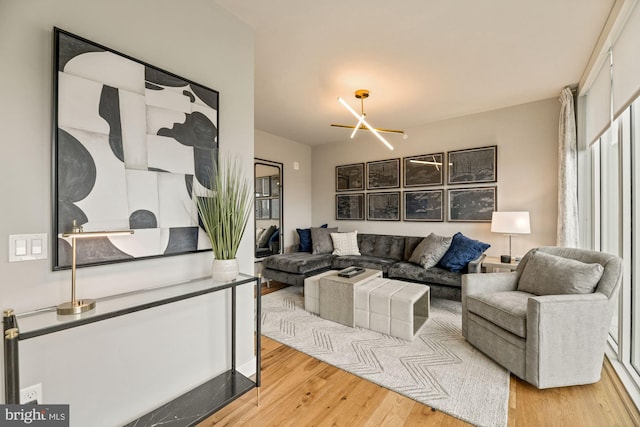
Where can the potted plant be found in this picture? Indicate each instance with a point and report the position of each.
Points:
(224, 212)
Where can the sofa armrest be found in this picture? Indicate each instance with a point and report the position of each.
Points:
(566, 338)
(475, 266)
(485, 283)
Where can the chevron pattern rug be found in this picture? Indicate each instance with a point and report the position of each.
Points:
(438, 368)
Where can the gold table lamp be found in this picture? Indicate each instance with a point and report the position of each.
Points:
(77, 306)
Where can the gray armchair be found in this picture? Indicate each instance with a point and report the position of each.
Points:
(547, 339)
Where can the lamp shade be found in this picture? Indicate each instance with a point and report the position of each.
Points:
(510, 223)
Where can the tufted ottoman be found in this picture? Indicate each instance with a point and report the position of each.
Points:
(392, 307)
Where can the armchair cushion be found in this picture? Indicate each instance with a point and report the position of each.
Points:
(505, 309)
(546, 274)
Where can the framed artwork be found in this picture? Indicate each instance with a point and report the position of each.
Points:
(383, 174)
(132, 145)
(383, 206)
(423, 205)
(350, 206)
(424, 170)
(350, 177)
(275, 208)
(472, 204)
(473, 166)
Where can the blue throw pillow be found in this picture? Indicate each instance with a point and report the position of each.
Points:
(274, 237)
(304, 235)
(461, 251)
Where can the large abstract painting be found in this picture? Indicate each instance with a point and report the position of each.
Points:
(133, 143)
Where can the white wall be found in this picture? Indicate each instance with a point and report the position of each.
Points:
(296, 183)
(113, 371)
(526, 136)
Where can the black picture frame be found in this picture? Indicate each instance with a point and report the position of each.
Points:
(126, 154)
(423, 205)
(350, 206)
(383, 206)
(383, 174)
(473, 165)
(423, 170)
(474, 204)
(350, 177)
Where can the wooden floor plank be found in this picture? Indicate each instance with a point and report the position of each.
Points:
(299, 390)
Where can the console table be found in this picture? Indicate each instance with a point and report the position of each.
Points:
(186, 410)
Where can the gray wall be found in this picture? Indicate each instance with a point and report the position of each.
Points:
(112, 371)
(526, 136)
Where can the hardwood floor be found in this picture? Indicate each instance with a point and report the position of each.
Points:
(298, 390)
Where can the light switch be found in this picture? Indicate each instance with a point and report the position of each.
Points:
(21, 247)
(36, 246)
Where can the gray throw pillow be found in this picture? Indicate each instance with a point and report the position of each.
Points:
(546, 274)
(430, 250)
(263, 241)
(321, 242)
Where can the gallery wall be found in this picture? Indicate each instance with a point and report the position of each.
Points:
(118, 369)
(526, 137)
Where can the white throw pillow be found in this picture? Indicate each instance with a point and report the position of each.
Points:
(345, 243)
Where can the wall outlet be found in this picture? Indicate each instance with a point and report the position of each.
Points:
(31, 394)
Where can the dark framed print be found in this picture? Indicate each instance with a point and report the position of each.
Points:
(423, 170)
(383, 174)
(350, 177)
(350, 206)
(473, 166)
(423, 205)
(384, 206)
(133, 144)
(472, 204)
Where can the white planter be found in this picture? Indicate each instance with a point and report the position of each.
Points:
(224, 270)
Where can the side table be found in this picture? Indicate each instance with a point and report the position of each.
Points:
(492, 263)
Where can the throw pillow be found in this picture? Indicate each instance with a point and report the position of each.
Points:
(461, 251)
(304, 236)
(321, 240)
(345, 243)
(430, 250)
(546, 274)
(274, 237)
(263, 241)
(259, 231)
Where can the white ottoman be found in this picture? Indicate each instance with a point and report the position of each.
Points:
(312, 291)
(392, 307)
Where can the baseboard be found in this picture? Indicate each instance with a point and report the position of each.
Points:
(248, 369)
(628, 389)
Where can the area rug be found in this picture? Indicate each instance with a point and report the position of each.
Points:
(438, 368)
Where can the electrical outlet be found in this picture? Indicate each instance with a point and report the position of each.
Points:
(31, 394)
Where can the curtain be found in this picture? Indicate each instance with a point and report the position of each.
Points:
(567, 232)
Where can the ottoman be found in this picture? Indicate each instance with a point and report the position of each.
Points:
(392, 307)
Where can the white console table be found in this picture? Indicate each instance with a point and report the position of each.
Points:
(188, 409)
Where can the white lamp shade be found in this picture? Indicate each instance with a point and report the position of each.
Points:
(510, 223)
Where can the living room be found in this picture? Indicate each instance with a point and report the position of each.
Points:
(161, 353)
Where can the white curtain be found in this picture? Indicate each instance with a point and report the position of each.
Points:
(567, 234)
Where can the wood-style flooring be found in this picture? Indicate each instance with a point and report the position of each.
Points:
(299, 390)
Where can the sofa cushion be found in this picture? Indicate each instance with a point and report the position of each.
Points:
(345, 243)
(461, 251)
(546, 274)
(298, 262)
(430, 250)
(415, 273)
(263, 241)
(363, 261)
(321, 242)
(383, 246)
(505, 309)
(304, 237)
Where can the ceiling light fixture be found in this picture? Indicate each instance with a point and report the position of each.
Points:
(362, 94)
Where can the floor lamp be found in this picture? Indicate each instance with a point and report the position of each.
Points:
(510, 223)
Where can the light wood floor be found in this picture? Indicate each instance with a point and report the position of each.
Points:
(298, 390)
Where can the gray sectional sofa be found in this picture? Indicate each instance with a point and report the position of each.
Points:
(388, 253)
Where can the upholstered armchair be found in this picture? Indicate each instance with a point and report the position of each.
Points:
(548, 321)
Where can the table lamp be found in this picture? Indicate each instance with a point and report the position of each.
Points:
(77, 306)
(510, 223)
